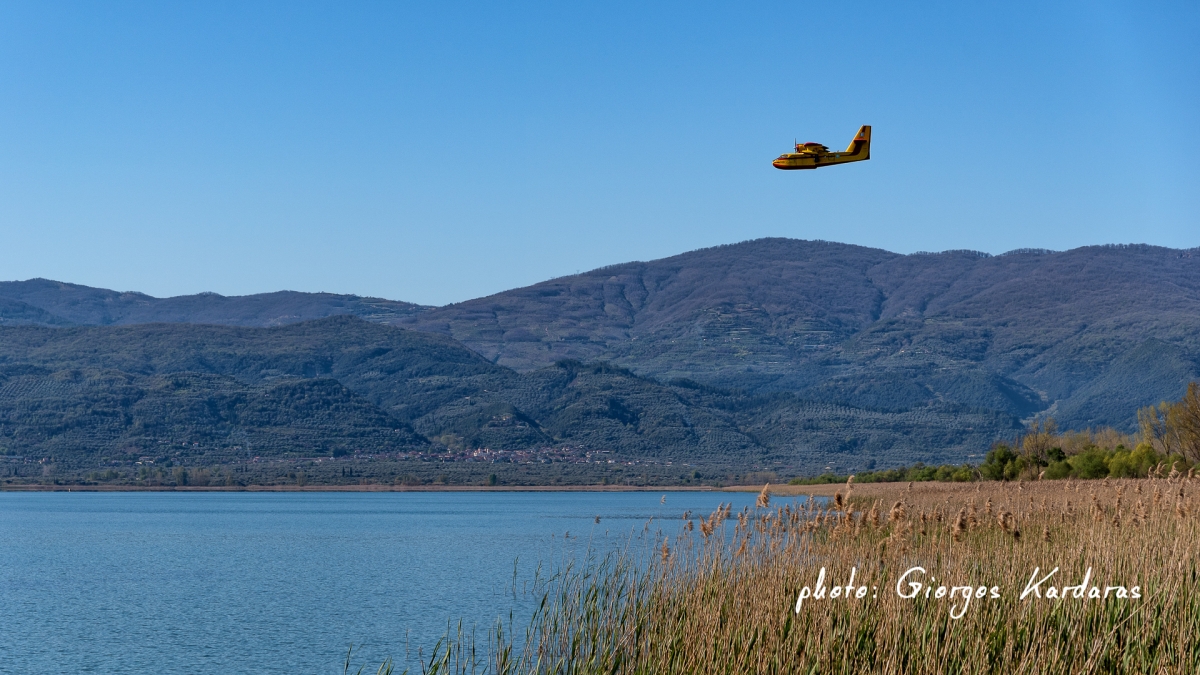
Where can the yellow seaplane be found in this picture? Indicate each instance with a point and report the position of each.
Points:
(815, 155)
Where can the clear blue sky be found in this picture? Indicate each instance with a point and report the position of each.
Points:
(438, 152)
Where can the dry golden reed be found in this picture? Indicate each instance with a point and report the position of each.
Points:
(724, 601)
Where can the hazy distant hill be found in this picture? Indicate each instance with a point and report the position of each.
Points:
(52, 303)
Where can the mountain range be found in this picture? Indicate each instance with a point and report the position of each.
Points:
(774, 353)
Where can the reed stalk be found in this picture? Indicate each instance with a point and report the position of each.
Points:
(723, 600)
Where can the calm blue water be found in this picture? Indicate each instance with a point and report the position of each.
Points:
(282, 583)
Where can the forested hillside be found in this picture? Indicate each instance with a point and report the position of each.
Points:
(773, 353)
(1087, 335)
(86, 397)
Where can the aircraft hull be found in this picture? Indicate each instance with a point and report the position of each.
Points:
(801, 161)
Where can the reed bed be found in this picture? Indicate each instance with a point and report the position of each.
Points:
(720, 595)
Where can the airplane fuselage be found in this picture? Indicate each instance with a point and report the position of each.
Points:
(859, 150)
(802, 160)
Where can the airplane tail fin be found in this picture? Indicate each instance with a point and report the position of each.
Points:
(862, 142)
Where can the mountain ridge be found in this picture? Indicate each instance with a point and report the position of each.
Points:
(799, 316)
(47, 302)
(1025, 333)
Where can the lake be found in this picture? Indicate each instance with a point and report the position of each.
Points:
(221, 582)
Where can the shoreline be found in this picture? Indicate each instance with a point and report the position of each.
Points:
(364, 488)
(775, 490)
(781, 490)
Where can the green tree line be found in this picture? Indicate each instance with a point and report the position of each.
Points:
(1168, 442)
